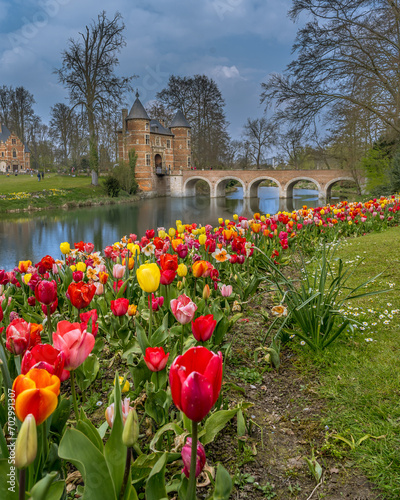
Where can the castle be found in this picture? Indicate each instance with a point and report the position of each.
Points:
(14, 155)
(161, 150)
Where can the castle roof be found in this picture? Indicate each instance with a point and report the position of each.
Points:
(179, 120)
(137, 111)
(157, 128)
(5, 134)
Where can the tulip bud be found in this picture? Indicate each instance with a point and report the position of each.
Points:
(26, 444)
(206, 292)
(187, 454)
(130, 433)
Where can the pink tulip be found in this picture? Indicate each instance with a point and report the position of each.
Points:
(125, 411)
(119, 307)
(183, 309)
(226, 290)
(156, 359)
(74, 341)
(118, 271)
(187, 455)
(99, 288)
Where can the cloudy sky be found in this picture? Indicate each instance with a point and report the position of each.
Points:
(236, 42)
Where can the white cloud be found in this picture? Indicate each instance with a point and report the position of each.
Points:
(227, 72)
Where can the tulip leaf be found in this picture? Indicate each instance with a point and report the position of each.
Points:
(220, 330)
(46, 489)
(223, 484)
(159, 336)
(241, 424)
(115, 450)
(121, 291)
(140, 373)
(165, 428)
(142, 338)
(83, 454)
(215, 423)
(60, 416)
(86, 427)
(155, 485)
(87, 372)
(142, 467)
(155, 406)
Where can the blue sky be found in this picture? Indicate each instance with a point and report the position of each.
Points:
(238, 43)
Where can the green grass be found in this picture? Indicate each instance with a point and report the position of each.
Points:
(28, 184)
(359, 378)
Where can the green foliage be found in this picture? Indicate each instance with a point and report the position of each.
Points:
(112, 186)
(395, 173)
(376, 165)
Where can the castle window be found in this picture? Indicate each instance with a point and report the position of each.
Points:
(188, 133)
(188, 143)
(137, 141)
(14, 153)
(157, 141)
(148, 160)
(147, 126)
(147, 139)
(14, 141)
(2, 154)
(168, 143)
(189, 162)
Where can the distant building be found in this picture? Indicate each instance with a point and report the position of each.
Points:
(161, 150)
(14, 154)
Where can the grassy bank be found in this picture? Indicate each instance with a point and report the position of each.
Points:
(359, 376)
(54, 191)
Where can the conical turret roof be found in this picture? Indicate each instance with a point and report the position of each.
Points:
(137, 110)
(179, 120)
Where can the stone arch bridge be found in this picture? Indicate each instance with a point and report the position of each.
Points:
(184, 184)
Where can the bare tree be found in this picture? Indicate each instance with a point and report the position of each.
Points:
(16, 109)
(348, 51)
(260, 135)
(158, 111)
(202, 103)
(88, 71)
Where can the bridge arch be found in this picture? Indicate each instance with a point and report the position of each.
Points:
(287, 191)
(255, 183)
(330, 184)
(220, 185)
(189, 187)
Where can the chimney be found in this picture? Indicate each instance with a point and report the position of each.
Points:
(162, 122)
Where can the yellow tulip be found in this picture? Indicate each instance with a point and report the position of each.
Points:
(202, 239)
(81, 266)
(172, 232)
(182, 270)
(65, 248)
(181, 229)
(148, 276)
(27, 278)
(220, 221)
(235, 217)
(126, 386)
(162, 234)
(73, 268)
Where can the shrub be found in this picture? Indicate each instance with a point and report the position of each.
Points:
(112, 186)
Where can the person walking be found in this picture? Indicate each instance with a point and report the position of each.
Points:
(38, 175)
(43, 175)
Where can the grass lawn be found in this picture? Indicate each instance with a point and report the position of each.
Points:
(28, 184)
(359, 376)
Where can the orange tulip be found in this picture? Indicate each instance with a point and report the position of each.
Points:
(175, 242)
(23, 265)
(36, 393)
(199, 268)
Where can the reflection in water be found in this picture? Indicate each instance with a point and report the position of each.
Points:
(32, 237)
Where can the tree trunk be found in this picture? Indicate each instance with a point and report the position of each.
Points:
(95, 178)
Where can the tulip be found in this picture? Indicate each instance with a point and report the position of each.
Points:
(86, 317)
(199, 268)
(53, 307)
(156, 302)
(81, 294)
(46, 292)
(182, 270)
(36, 393)
(103, 277)
(182, 250)
(46, 357)
(65, 248)
(20, 336)
(167, 277)
(195, 379)
(132, 310)
(24, 265)
(81, 266)
(148, 276)
(74, 341)
(130, 434)
(187, 454)
(206, 292)
(226, 290)
(126, 386)
(118, 271)
(125, 412)
(119, 307)
(203, 327)
(156, 359)
(77, 276)
(183, 309)
(169, 262)
(26, 443)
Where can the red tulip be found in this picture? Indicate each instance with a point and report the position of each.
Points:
(156, 302)
(203, 327)
(1, 313)
(85, 318)
(77, 276)
(32, 301)
(74, 341)
(169, 262)
(46, 264)
(150, 234)
(119, 307)
(53, 307)
(167, 277)
(36, 393)
(187, 455)
(195, 378)
(46, 292)
(182, 250)
(20, 336)
(46, 357)
(156, 359)
(81, 294)
(183, 309)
